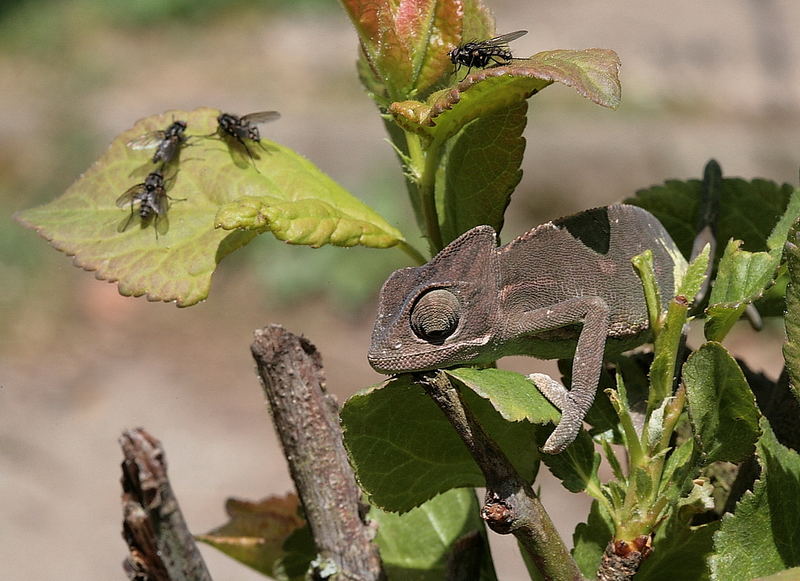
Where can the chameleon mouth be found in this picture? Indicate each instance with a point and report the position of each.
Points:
(388, 361)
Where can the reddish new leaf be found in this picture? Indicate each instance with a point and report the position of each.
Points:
(406, 42)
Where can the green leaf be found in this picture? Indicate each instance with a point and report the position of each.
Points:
(760, 537)
(256, 531)
(744, 276)
(748, 210)
(594, 73)
(482, 169)
(418, 545)
(667, 346)
(511, 394)
(590, 539)
(405, 452)
(695, 275)
(721, 405)
(792, 574)
(741, 278)
(213, 185)
(680, 551)
(678, 468)
(576, 467)
(299, 551)
(311, 222)
(791, 349)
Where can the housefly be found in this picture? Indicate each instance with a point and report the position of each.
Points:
(152, 197)
(167, 142)
(245, 127)
(483, 53)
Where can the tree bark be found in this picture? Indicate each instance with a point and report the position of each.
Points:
(510, 505)
(306, 419)
(161, 546)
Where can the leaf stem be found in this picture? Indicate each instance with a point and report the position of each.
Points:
(412, 252)
(424, 164)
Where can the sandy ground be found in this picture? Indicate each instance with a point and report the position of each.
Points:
(79, 363)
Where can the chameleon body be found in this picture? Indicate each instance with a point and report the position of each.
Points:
(565, 289)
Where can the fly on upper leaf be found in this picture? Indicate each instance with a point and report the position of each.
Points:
(244, 128)
(483, 53)
(167, 142)
(153, 200)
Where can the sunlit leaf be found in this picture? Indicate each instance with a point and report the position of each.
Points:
(511, 394)
(791, 349)
(594, 73)
(256, 531)
(421, 544)
(721, 405)
(760, 537)
(214, 183)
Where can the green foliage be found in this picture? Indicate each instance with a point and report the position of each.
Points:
(590, 539)
(483, 167)
(791, 350)
(743, 276)
(679, 552)
(760, 537)
(511, 394)
(405, 452)
(592, 72)
(748, 211)
(423, 543)
(721, 406)
(576, 467)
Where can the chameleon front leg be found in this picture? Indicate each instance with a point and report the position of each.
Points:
(593, 312)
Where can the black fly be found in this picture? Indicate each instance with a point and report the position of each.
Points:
(485, 52)
(152, 197)
(245, 127)
(167, 142)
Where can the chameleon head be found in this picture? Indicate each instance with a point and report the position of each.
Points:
(442, 313)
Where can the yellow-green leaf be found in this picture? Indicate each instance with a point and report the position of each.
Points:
(213, 183)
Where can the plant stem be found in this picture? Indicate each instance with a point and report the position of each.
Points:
(425, 163)
(510, 504)
(412, 252)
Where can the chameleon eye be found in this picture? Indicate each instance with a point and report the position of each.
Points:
(435, 316)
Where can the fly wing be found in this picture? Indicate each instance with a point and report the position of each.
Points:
(147, 141)
(161, 204)
(161, 223)
(129, 197)
(125, 222)
(504, 39)
(261, 117)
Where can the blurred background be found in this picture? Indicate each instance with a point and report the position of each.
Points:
(79, 363)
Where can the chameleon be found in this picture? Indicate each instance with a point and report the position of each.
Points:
(565, 289)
